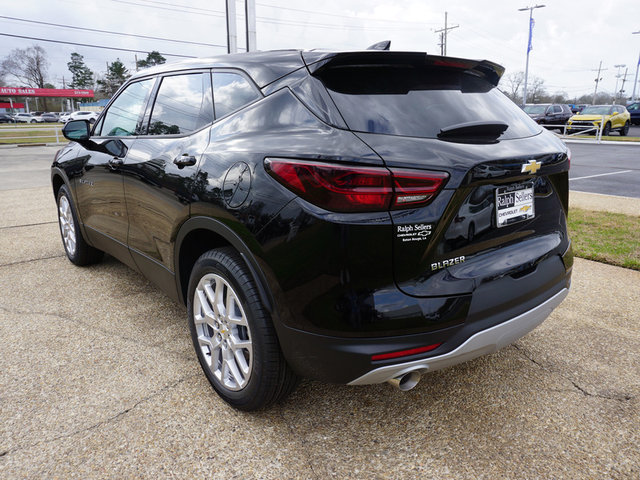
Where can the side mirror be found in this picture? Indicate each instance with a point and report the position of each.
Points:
(614, 113)
(77, 131)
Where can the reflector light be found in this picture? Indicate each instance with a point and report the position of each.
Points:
(405, 353)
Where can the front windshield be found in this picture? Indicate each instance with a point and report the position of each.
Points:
(596, 110)
(535, 109)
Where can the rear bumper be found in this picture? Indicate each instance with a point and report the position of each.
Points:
(482, 343)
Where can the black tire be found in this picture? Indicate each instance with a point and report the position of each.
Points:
(269, 378)
(33, 121)
(606, 130)
(624, 130)
(79, 253)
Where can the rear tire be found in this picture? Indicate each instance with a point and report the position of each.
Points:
(78, 251)
(624, 130)
(233, 334)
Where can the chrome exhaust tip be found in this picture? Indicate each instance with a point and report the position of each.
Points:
(406, 381)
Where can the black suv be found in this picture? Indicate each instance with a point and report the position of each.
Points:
(549, 114)
(305, 207)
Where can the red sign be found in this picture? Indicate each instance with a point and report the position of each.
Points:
(45, 92)
(8, 105)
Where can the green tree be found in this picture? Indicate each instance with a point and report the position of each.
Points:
(153, 58)
(116, 75)
(81, 75)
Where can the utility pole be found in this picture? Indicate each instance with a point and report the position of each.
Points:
(598, 80)
(443, 35)
(615, 92)
(624, 79)
(529, 47)
(232, 29)
(250, 19)
(635, 82)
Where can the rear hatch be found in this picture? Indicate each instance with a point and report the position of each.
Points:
(502, 212)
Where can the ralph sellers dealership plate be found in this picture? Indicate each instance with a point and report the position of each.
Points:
(514, 203)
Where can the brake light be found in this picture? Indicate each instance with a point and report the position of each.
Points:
(416, 187)
(342, 188)
(405, 353)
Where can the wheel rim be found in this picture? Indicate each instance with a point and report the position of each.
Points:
(223, 332)
(67, 225)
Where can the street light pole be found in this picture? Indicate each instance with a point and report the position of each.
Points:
(635, 81)
(526, 70)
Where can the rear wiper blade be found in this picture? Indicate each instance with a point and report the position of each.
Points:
(474, 130)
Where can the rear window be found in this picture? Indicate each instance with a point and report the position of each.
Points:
(420, 101)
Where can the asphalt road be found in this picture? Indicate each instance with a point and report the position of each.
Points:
(98, 379)
(605, 169)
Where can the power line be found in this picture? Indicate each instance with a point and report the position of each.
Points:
(93, 46)
(270, 20)
(112, 33)
(315, 12)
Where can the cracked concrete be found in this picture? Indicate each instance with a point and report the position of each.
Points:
(98, 379)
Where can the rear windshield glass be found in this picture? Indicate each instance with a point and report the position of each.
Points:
(420, 101)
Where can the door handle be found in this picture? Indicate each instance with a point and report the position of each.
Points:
(185, 160)
(115, 162)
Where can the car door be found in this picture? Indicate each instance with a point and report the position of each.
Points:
(161, 169)
(99, 185)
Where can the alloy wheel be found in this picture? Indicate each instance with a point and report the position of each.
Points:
(67, 225)
(223, 332)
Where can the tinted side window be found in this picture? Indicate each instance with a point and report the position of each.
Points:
(557, 109)
(231, 91)
(183, 105)
(125, 113)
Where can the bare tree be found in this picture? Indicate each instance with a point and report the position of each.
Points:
(513, 82)
(536, 91)
(26, 65)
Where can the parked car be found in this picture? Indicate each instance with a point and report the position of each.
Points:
(49, 117)
(25, 118)
(297, 204)
(549, 114)
(6, 118)
(616, 117)
(91, 117)
(634, 112)
(578, 108)
(64, 117)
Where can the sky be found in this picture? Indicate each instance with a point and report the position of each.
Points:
(570, 37)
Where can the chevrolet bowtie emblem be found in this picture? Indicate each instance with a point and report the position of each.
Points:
(531, 167)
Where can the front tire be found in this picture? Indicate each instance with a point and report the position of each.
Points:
(78, 251)
(606, 130)
(233, 334)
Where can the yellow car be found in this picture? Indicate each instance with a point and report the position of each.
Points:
(616, 117)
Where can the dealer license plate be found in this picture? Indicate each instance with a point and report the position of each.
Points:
(514, 203)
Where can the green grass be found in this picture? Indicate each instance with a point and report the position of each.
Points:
(612, 238)
(32, 133)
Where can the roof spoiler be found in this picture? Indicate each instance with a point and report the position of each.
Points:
(318, 62)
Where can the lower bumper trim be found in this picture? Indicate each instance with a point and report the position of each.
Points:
(482, 343)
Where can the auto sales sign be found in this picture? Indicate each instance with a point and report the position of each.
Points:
(44, 92)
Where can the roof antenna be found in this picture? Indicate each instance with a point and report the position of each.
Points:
(383, 45)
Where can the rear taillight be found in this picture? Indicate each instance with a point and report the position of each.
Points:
(341, 188)
(404, 353)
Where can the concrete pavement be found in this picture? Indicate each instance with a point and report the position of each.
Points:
(98, 379)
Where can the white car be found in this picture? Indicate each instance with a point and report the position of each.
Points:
(25, 118)
(64, 117)
(91, 117)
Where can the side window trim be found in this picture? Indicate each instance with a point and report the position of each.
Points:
(154, 95)
(244, 75)
(140, 121)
